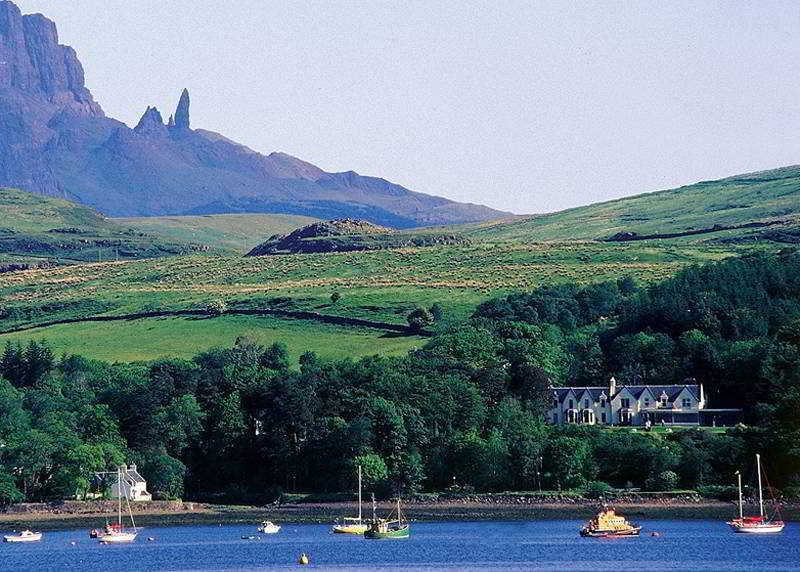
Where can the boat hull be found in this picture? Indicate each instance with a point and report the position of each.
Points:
(350, 528)
(402, 532)
(771, 528)
(118, 538)
(633, 531)
(29, 538)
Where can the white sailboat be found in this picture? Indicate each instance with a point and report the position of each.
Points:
(269, 527)
(755, 524)
(353, 525)
(116, 533)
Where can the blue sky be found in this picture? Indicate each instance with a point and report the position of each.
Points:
(523, 106)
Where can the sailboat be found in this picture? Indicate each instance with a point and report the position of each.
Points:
(353, 525)
(116, 533)
(755, 524)
(390, 528)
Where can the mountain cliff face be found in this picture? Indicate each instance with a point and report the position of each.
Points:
(56, 140)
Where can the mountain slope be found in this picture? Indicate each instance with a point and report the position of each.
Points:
(34, 227)
(743, 207)
(56, 140)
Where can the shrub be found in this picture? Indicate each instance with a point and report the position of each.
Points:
(335, 297)
(663, 481)
(596, 489)
(420, 318)
(719, 492)
(216, 307)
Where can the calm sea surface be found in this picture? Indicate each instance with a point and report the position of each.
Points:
(543, 545)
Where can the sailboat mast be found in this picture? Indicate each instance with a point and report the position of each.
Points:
(359, 494)
(741, 513)
(760, 495)
(119, 496)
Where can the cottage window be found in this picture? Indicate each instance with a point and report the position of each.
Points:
(686, 402)
(572, 404)
(555, 402)
(603, 417)
(664, 401)
(647, 402)
(586, 404)
(602, 403)
(625, 402)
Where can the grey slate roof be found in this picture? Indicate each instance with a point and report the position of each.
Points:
(672, 391)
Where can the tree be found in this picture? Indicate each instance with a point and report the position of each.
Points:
(276, 357)
(9, 493)
(335, 297)
(164, 475)
(663, 481)
(374, 474)
(419, 318)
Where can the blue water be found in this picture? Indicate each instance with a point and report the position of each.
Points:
(542, 545)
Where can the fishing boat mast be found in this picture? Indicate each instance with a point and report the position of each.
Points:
(760, 496)
(741, 513)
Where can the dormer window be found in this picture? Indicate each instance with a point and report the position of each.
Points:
(686, 402)
(647, 402)
(625, 402)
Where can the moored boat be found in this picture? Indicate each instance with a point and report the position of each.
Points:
(268, 527)
(760, 524)
(24, 536)
(390, 528)
(116, 533)
(353, 525)
(608, 523)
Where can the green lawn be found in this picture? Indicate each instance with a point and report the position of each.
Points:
(151, 338)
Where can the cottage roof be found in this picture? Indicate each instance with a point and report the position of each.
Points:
(672, 391)
(134, 475)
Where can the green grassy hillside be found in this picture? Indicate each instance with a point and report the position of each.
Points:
(35, 229)
(234, 232)
(380, 286)
(768, 197)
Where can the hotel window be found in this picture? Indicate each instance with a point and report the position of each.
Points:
(647, 402)
(686, 402)
(555, 403)
(571, 404)
(586, 404)
(555, 418)
(626, 402)
(664, 401)
(603, 417)
(603, 403)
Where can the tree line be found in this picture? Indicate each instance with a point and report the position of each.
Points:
(243, 424)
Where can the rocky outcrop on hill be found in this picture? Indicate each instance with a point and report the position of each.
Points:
(55, 140)
(346, 235)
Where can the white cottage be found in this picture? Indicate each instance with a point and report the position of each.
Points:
(628, 404)
(133, 486)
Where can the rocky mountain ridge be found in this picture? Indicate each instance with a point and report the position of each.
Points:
(56, 140)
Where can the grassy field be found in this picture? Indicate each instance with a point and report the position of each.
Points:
(234, 232)
(380, 286)
(152, 338)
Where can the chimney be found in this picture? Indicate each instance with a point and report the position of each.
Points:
(612, 387)
(702, 397)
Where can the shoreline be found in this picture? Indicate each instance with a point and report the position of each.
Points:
(76, 515)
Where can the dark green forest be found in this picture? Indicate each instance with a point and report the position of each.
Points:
(241, 424)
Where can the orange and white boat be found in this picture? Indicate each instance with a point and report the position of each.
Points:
(755, 524)
(608, 523)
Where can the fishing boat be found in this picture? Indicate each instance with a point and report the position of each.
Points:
(268, 527)
(116, 533)
(353, 525)
(755, 524)
(24, 536)
(397, 527)
(608, 523)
